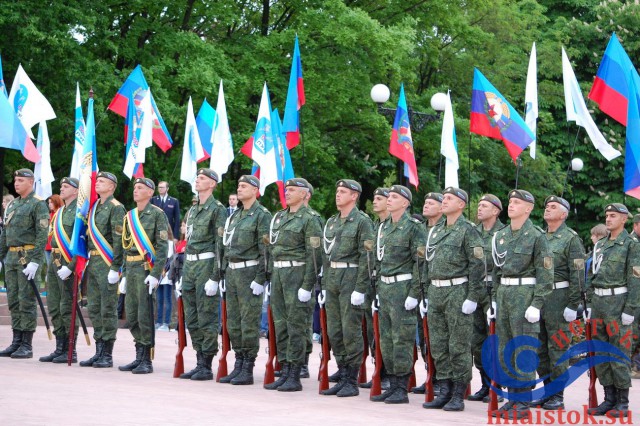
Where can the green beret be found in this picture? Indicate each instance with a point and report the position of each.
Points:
(636, 218)
(70, 181)
(146, 182)
(208, 173)
(383, 192)
(555, 199)
(522, 195)
(349, 184)
(250, 179)
(617, 207)
(402, 190)
(23, 173)
(299, 182)
(460, 193)
(436, 196)
(109, 176)
(490, 198)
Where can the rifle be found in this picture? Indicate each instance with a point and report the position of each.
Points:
(226, 344)
(272, 351)
(493, 397)
(376, 388)
(178, 367)
(75, 310)
(325, 355)
(152, 318)
(34, 287)
(593, 393)
(362, 374)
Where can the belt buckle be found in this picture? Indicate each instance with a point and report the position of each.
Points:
(146, 267)
(23, 254)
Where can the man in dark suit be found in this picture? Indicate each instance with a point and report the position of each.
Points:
(170, 206)
(233, 204)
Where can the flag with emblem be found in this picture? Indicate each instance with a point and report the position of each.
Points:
(13, 134)
(295, 99)
(30, 105)
(204, 123)
(192, 150)
(43, 175)
(221, 141)
(3, 87)
(632, 150)
(78, 146)
(139, 136)
(531, 99)
(283, 158)
(401, 145)
(449, 146)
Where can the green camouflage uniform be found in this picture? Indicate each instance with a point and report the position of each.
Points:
(141, 321)
(453, 252)
(398, 246)
(344, 321)
(291, 317)
(370, 295)
(102, 297)
(313, 296)
(205, 226)
(243, 242)
(27, 222)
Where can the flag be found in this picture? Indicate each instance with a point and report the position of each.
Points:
(221, 141)
(283, 159)
(295, 99)
(139, 125)
(30, 105)
(78, 146)
(632, 151)
(531, 99)
(192, 150)
(401, 144)
(135, 87)
(3, 87)
(42, 171)
(577, 110)
(493, 116)
(449, 146)
(13, 134)
(204, 123)
(611, 87)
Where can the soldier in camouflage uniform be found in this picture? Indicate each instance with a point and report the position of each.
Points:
(613, 297)
(522, 277)
(562, 307)
(21, 252)
(140, 277)
(61, 273)
(455, 268)
(399, 266)
(294, 241)
(105, 261)
(201, 274)
(346, 283)
(244, 250)
(489, 208)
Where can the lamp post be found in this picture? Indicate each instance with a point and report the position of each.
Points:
(576, 165)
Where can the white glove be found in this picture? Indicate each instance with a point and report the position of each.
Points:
(258, 289)
(211, 287)
(469, 307)
(179, 285)
(122, 287)
(532, 314)
(490, 315)
(303, 295)
(30, 270)
(587, 314)
(152, 282)
(113, 277)
(410, 303)
(570, 314)
(424, 307)
(0, 266)
(627, 319)
(64, 273)
(322, 297)
(357, 298)
(375, 304)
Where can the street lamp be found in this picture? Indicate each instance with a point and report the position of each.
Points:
(380, 94)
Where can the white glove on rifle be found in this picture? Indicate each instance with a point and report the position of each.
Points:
(64, 273)
(113, 276)
(410, 303)
(469, 307)
(627, 319)
(30, 270)
(375, 305)
(258, 289)
(532, 314)
(424, 307)
(211, 288)
(303, 295)
(587, 314)
(570, 314)
(357, 298)
(122, 287)
(490, 315)
(152, 282)
(322, 297)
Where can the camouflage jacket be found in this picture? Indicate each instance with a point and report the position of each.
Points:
(568, 261)
(155, 224)
(205, 227)
(26, 223)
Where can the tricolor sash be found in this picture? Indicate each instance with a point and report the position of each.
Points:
(62, 239)
(140, 237)
(99, 241)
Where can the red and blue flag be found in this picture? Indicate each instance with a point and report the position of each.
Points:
(295, 100)
(401, 145)
(283, 158)
(204, 123)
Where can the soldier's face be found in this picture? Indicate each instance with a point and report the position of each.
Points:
(614, 221)
(345, 196)
(451, 204)
(431, 208)
(396, 202)
(379, 204)
(204, 183)
(104, 185)
(246, 191)
(141, 192)
(636, 228)
(518, 208)
(554, 212)
(486, 210)
(295, 195)
(23, 185)
(68, 192)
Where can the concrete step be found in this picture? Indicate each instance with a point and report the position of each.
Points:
(5, 315)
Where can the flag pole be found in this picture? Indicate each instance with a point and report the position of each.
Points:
(518, 166)
(573, 147)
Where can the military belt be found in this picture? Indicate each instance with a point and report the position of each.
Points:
(21, 248)
(201, 256)
(451, 282)
(94, 252)
(561, 284)
(56, 250)
(518, 281)
(287, 263)
(343, 265)
(610, 291)
(137, 258)
(396, 278)
(245, 264)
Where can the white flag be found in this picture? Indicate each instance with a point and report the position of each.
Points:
(42, 172)
(221, 141)
(577, 111)
(192, 150)
(531, 99)
(31, 106)
(139, 138)
(449, 146)
(263, 152)
(78, 145)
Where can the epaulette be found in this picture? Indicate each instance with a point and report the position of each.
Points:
(219, 203)
(313, 212)
(115, 202)
(539, 229)
(158, 208)
(264, 209)
(364, 214)
(572, 231)
(37, 197)
(411, 219)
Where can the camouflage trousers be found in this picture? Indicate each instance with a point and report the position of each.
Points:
(480, 331)
(20, 297)
(290, 316)
(552, 323)
(606, 312)
(450, 333)
(344, 321)
(60, 298)
(102, 299)
(397, 328)
(136, 304)
(243, 311)
(201, 311)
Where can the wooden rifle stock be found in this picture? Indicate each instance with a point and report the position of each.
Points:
(362, 374)
(376, 388)
(493, 397)
(431, 369)
(593, 393)
(323, 373)
(178, 367)
(222, 362)
(269, 376)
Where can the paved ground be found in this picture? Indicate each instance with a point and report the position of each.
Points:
(34, 393)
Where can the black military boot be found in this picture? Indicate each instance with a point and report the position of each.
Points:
(487, 398)
(59, 349)
(419, 389)
(350, 387)
(293, 380)
(399, 396)
(205, 372)
(25, 350)
(444, 396)
(62, 358)
(106, 356)
(540, 402)
(393, 380)
(95, 357)
(333, 390)
(237, 367)
(198, 367)
(436, 387)
(304, 370)
(556, 402)
(456, 403)
(514, 410)
(133, 364)
(284, 374)
(622, 405)
(610, 399)
(483, 391)
(246, 374)
(335, 377)
(15, 344)
(145, 366)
